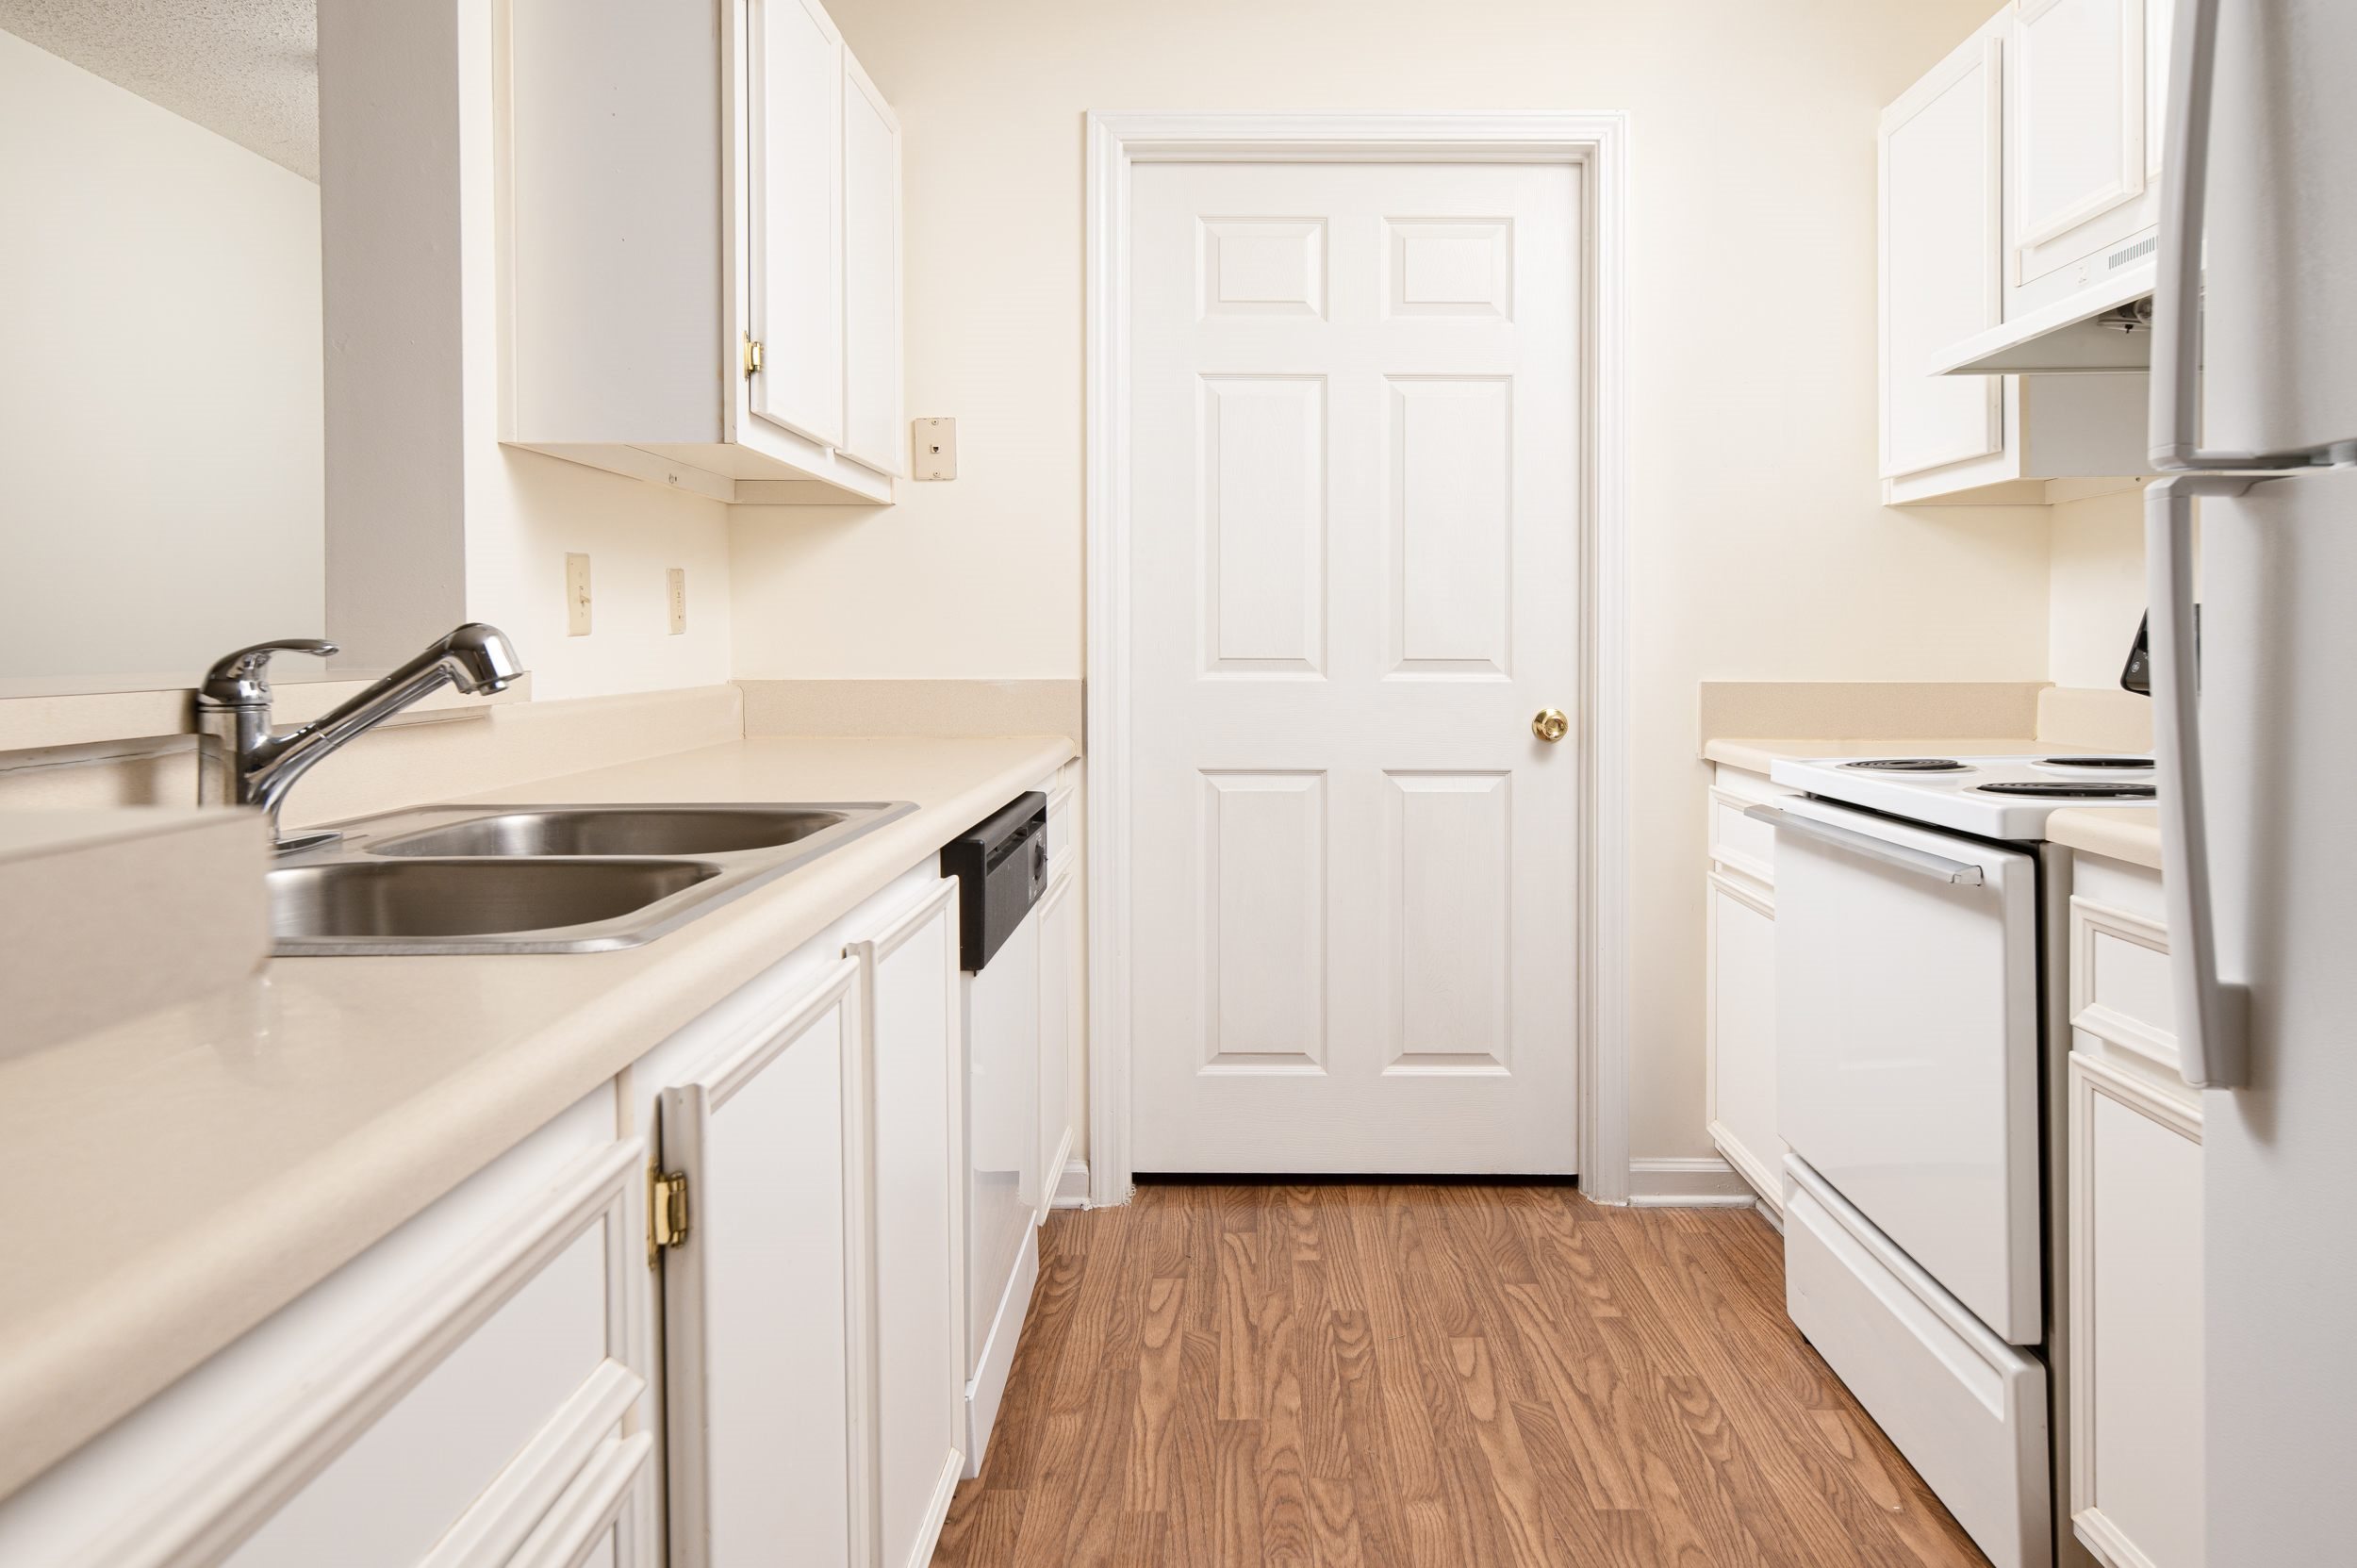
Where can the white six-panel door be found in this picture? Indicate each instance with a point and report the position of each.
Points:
(1354, 490)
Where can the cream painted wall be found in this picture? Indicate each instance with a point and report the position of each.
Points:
(2094, 593)
(1758, 548)
(160, 446)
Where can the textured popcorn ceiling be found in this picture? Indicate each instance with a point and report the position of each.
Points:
(245, 68)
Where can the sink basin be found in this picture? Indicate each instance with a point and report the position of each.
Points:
(543, 879)
(616, 831)
(360, 902)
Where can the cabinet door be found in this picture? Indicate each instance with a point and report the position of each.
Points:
(1942, 237)
(916, 1051)
(793, 189)
(871, 274)
(2079, 126)
(766, 1302)
(1058, 1019)
(2135, 1317)
(1741, 1032)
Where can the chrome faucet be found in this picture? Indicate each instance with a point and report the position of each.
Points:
(242, 761)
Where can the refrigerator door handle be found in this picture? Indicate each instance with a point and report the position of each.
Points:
(2212, 1014)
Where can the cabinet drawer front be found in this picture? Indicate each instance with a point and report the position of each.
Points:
(1738, 842)
(389, 1496)
(417, 1469)
(459, 1415)
(1062, 800)
(2121, 990)
(1968, 1409)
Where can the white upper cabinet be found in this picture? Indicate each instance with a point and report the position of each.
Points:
(794, 180)
(871, 274)
(1942, 179)
(1956, 201)
(2077, 162)
(701, 262)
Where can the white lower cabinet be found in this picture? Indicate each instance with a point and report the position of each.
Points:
(1740, 980)
(470, 1391)
(2135, 1236)
(765, 1297)
(916, 1052)
(778, 1195)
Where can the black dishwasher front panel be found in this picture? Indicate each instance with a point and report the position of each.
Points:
(1001, 866)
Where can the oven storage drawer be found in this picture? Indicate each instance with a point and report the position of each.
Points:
(1968, 1409)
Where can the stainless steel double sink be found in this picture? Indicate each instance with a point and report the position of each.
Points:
(497, 879)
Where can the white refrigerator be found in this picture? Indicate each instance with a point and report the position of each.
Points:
(2255, 375)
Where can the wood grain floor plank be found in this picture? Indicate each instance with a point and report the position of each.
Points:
(1416, 1375)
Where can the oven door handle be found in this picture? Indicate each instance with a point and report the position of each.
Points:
(1923, 862)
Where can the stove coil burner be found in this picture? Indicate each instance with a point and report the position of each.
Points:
(2128, 764)
(2073, 791)
(1908, 765)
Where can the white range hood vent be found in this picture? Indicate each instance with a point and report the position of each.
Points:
(2105, 329)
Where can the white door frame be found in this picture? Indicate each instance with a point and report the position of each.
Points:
(1599, 144)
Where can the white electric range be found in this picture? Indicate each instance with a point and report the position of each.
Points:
(1922, 1034)
(1988, 796)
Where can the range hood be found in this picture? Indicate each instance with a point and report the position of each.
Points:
(2100, 330)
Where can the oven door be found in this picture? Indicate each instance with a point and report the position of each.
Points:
(1907, 1044)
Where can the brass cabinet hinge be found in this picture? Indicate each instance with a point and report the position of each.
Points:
(667, 1210)
(752, 357)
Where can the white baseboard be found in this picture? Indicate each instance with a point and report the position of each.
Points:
(1687, 1182)
(1072, 1187)
(937, 1511)
(1766, 1181)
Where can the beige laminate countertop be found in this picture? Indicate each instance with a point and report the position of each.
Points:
(2131, 833)
(198, 1167)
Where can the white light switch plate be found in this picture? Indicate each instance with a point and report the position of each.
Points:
(679, 600)
(936, 449)
(576, 595)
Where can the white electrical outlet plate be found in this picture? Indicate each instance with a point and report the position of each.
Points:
(936, 449)
(679, 600)
(576, 595)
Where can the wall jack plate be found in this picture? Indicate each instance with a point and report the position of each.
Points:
(576, 595)
(935, 443)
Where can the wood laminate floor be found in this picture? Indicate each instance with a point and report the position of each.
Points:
(1415, 1376)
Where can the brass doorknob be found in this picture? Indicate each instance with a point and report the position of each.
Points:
(1551, 724)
